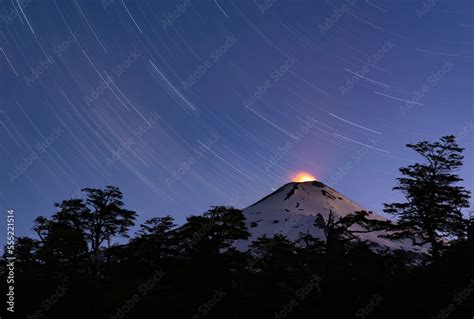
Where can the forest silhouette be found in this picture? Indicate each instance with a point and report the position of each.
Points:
(75, 267)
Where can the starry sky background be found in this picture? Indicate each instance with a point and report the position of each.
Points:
(188, 104)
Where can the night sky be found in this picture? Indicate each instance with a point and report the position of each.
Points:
(188, 104)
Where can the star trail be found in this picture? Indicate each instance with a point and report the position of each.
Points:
(188, 104)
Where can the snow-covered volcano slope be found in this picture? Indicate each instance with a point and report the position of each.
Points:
(293, 208)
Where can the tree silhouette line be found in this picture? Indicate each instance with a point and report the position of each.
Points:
(195, 271)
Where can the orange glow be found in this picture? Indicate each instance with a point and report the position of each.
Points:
(303, 177)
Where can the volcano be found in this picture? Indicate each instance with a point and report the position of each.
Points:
(294, 208)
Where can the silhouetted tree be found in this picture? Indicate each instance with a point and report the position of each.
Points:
(205, 259)
(277, 264)
(275, 278)
(26, 253)
(432, 211)
(273, 253)
(104, 217)
(214, 231)
(344, 229)
(154, 240)
(470, 227)
(81, 227)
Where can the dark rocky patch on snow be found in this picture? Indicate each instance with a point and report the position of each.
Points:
(318, 184)
(292, 191)
(328, 194)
